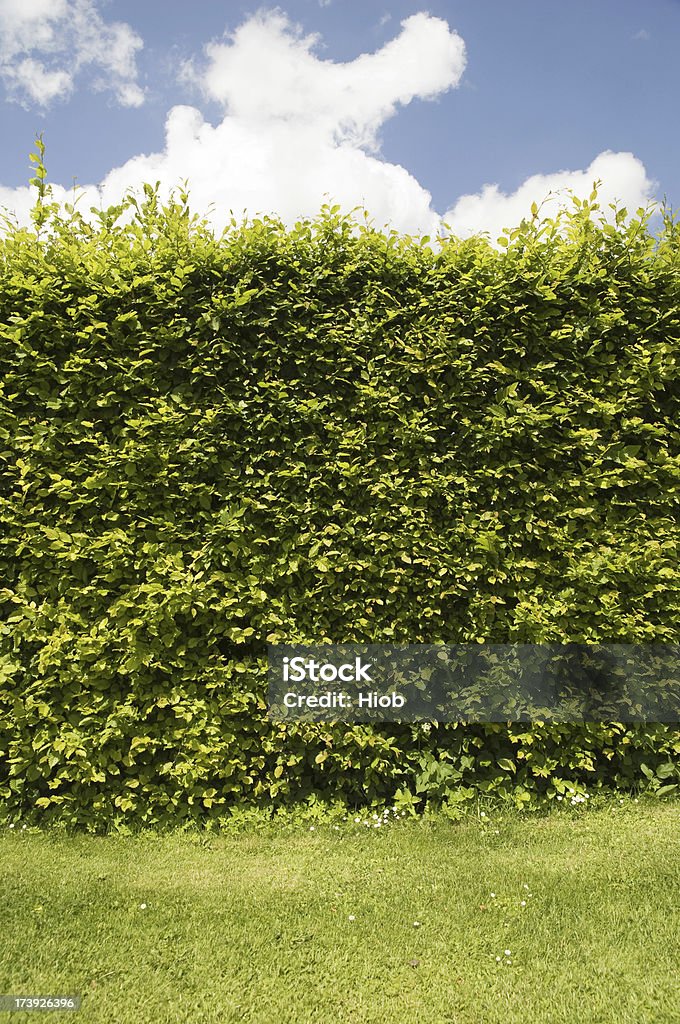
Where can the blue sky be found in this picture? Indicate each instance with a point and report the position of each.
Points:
(502, 97)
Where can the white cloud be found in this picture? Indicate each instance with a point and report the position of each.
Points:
(31, 77)
(298, 131)
(624, 180)
(267, 73)
(44, 44)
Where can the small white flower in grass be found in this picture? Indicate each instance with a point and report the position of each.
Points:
(377, 824)
(508, 953)
(525, 886)
(352, 917)
(559, 798)
(12, 825)
(23, 826)
(482, 815)
(492, 895)
(311, 828)
(142, 906)
(375, 817)
(523, 903)
(416, 924)
(498, 959)
(357, 821)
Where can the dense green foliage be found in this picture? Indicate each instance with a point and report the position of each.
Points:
(321, 434)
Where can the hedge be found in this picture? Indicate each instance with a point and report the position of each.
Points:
(321, 433)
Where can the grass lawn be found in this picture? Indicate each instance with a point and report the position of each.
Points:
(281, 924)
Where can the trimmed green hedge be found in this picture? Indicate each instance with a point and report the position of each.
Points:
(321, 434)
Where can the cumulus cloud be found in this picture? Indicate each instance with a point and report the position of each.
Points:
(298, 130)
(44, 44)
(623, 180)
(267, 73)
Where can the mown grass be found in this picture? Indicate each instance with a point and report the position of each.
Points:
(287, 925)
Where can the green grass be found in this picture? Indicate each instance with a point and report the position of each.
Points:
(255, 926)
